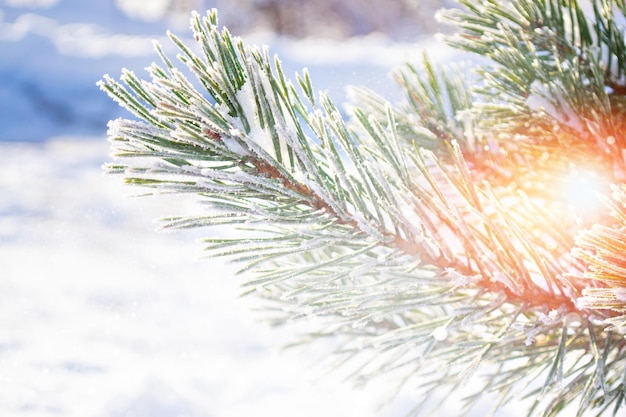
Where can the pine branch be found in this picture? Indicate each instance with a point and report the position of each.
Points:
(440, 230)
(603, 249)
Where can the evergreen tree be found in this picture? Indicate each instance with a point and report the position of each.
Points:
(477, 229)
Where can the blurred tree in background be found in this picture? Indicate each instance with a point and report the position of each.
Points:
(400, 19)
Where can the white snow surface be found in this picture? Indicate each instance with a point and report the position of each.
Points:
(100, 314)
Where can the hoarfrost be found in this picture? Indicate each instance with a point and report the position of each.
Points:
(555, 106)
(459, 279)
(553, 317)
(321, 192)
(499, 276)
(233, 144)
(369, 229)
(531, 336)
(245, 97)
(124, 128)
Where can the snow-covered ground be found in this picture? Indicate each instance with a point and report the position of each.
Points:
(101, 315)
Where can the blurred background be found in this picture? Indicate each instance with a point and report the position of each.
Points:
(53, 51)
(100, 314)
